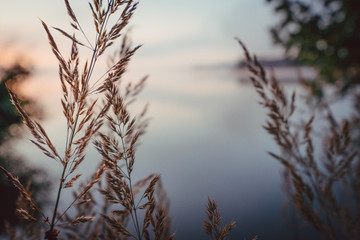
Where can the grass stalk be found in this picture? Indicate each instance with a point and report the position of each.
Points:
(74, 129)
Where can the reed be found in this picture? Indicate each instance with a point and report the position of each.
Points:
(212, 225)
(324, 190)
(322, 184)
(112, 129)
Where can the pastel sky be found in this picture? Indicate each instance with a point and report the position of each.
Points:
(186, 32)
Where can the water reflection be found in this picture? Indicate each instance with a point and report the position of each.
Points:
(206, 139)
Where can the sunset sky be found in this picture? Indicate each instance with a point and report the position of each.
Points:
(186, 32)
(174, 35)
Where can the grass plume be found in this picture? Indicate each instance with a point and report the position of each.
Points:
(324, 188)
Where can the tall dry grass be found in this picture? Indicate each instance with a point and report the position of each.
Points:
(324, 191)
(323, 185)
(212, 225)
(95, 110)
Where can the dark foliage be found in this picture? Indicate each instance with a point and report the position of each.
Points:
(324, 34)
(13, 76)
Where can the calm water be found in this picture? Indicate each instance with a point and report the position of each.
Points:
(206, 139)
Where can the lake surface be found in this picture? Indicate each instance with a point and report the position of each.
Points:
(205, 139)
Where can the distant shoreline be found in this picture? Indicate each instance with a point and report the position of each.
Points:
(272, 63)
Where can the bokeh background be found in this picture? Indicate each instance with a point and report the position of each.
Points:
(205, 136)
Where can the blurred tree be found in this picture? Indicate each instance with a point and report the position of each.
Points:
(10, 120)
(7, 112)
(324, 34)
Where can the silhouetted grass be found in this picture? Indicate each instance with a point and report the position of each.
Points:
(114, 131)
(97, 111)
(324, 188)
